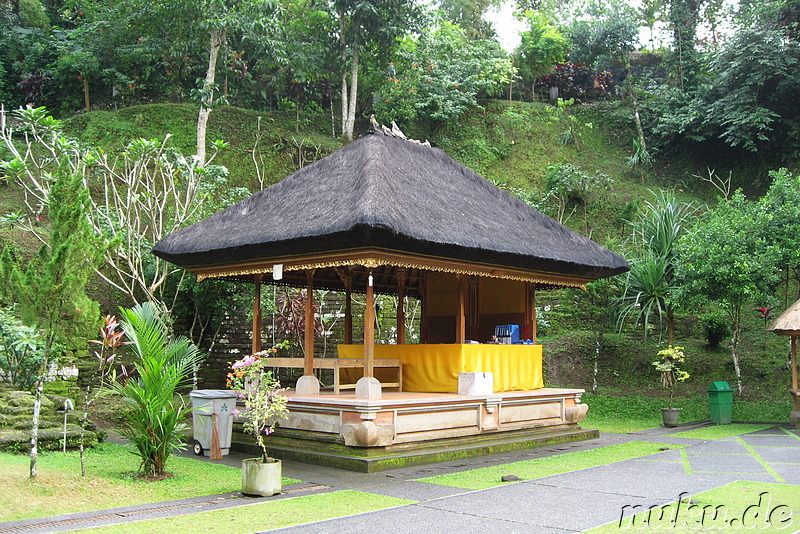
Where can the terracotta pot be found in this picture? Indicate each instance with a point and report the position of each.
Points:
(670, 416)
(261, 478)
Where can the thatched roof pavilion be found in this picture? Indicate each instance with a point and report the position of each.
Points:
(378, 214)
(410, 202)
(788, 324)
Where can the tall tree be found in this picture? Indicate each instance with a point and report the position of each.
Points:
(220, 18)
(542, 47)
(602, 39)
(362, 25)
(439, 75)
(752, 103)
(730, 258)
(470, 15)
(50, 288)
(684, 17)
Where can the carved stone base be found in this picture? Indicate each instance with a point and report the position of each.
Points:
(367, 434)
(307, 385)
(368, 388)
(576, 414)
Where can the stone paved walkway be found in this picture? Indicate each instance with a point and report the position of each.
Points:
(568, 502)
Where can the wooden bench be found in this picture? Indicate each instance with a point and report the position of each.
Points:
(343, 363)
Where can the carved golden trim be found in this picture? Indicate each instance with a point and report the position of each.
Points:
(374, 258)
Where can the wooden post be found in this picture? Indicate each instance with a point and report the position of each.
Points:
(533, 317)
(347, 280)
(308, 362)
(255, 345)
(369, 330)
(401, 306)
(795, 399)
(348, 310)
(423, 291)
(461, 332)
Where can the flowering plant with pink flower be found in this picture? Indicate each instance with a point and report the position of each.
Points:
(263, 397)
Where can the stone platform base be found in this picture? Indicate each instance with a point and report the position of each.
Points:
(286, 446)
(408, 428)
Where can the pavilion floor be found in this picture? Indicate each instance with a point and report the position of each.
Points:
(411, 428)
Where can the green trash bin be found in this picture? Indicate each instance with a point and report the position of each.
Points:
(720, 400)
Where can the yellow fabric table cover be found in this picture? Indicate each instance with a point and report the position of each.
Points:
(435, 368)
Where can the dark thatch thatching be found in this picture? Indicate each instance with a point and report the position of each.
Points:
(788, 323)
(382, 192)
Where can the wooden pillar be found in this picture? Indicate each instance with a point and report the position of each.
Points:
(401, 306)
(255, 345)
(348, 310)
(369, 330)
(347, 280)
(795, 399)
(423, 292)
(461, 331)
(308, 362)
(532, 316)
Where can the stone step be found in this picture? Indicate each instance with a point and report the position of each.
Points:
(373, 459)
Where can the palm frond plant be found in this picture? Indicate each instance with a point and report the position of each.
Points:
(651, 288)
(640, 157)
(156, 416)
(648, 292)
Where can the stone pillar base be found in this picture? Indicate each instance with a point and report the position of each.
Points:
(576, 414)
(794, 419)
(307, 385)
(367, 434)
(368, 388)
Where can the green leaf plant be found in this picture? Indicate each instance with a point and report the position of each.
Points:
(155, 417)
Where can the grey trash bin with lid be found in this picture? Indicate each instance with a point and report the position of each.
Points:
(206, 402)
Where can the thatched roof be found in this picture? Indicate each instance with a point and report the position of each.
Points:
(789, 321)
(385, 193)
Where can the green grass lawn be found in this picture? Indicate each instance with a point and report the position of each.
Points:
(110, 482)
(631, 413)
(264, 515)
(488, 477)
(738, 506)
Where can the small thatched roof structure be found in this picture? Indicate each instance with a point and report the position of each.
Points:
(387, 203)
(788, 323)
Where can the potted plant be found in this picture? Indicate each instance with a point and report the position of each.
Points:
(264, 404)
(668, 365)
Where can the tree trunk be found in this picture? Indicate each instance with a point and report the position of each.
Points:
(37, 405)
(218, 37)
(737, 332)
(344, 73)
(670, 327)
(344, 103)
(351, 108)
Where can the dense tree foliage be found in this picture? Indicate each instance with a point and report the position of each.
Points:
(440, 75)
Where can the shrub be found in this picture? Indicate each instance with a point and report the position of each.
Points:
(716, 327)
(155, 420)
(21, 352)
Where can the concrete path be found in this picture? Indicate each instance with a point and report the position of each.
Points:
(569, 502)
(576, 501)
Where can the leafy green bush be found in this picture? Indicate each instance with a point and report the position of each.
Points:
(21, 351)
(716, 327)
(155, 420)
